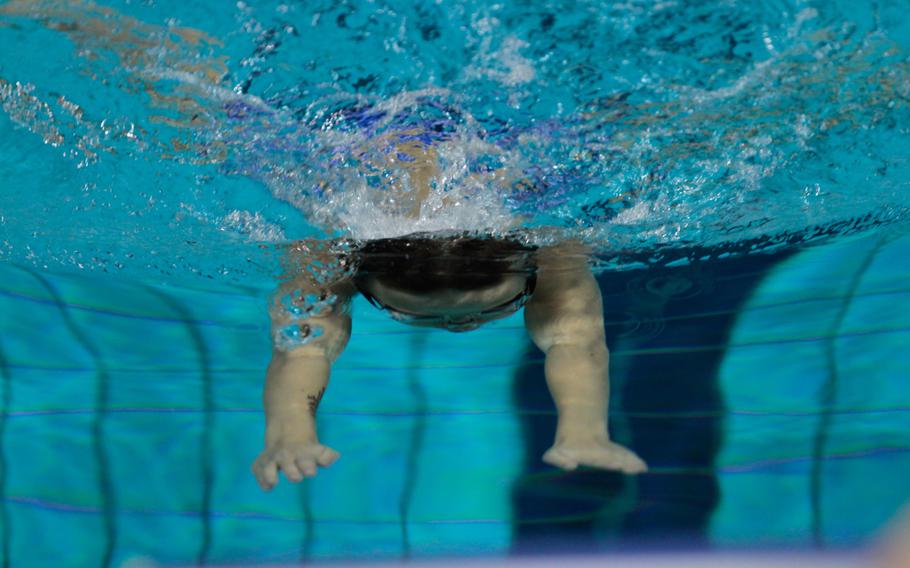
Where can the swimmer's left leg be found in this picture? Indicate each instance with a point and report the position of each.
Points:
(565, 319)
(577, 379)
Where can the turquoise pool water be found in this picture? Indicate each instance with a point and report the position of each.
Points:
(738, 168)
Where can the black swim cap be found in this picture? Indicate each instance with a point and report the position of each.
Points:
(423, 263)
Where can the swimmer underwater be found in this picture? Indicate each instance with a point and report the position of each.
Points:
(451, 281)
(445, 279)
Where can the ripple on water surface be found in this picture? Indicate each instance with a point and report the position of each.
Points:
(156, 141)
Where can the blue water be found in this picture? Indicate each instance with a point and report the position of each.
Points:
(739, 169)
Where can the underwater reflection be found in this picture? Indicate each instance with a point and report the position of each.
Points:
(452, 281)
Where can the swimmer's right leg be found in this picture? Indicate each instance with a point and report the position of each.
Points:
(295, 384)
(297, 377)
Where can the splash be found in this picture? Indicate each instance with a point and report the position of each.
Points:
(634, 127)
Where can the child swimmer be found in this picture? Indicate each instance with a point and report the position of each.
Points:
(450, 281)
(455, 282)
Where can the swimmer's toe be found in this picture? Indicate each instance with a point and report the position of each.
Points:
(266, 472)
(327, 456)
(288, 464)
(563, 460)
(307, 466)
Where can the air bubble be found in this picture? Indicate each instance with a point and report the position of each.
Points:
(296, 335)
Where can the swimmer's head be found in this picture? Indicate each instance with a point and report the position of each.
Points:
(453, 282)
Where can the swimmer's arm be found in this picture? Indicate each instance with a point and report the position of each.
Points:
(296, 381)
(565, 320)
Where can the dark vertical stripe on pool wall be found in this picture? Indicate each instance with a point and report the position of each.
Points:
(827, 397)
(309, 523)
(415, 445)
(648, 309)
(6, 401)
(206, 450)
(102, 395)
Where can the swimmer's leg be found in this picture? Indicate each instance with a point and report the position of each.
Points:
(578, 382)
(297, 378)
(295, 384)
(565, 320)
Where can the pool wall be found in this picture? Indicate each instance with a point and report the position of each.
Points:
(131, 414)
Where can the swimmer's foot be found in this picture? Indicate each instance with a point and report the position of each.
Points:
(603, 454)
(297, 460)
